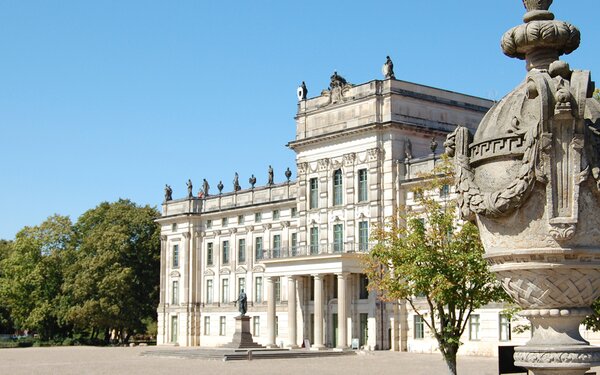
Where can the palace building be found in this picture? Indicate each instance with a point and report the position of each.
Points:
(295, 246)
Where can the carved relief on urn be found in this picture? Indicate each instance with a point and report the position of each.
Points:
(530, 176)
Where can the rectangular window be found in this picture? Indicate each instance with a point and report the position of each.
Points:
(505, 328)
(207, 325)
(275, 214)
(225, 252)
(208, 224)
(474, 327)
(277, 246)
(294, 212)
(277, 286)
(338, 238)
(258, 248)
(174, 328)
(241, 219)
(222, 326)
(257, 217)
(209, 291)
(242, 250)
(419, 327)
(256, 326)
(209, 254)
(314, 240)
(362, 185)
(241, 285)
(258, 290)
(225, 291)
(175, 293)
(444, 191)
(337, 188)
(175, 256)
(294, 244)
(363, 287)
(363, 236)
(224, 222)
(313, 198)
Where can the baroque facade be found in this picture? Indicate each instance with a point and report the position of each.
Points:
(295, 246)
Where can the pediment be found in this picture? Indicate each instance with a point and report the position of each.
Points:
(258, 269)
(224, 271)
(209, 272)
(241, 270)
(175, 274)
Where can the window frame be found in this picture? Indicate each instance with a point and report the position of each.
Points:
(313, 190)
(337, 188)
(363, 191)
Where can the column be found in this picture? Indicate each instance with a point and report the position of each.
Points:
(342, 307)
(318, 345)
(271, 311)
(292, 324)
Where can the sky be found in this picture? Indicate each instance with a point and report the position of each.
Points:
(101, 100)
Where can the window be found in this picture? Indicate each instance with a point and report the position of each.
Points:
(275, 214)
(225, 252)
(277, 286)
(174, 227)
(362, 185)
(241, 284)
(294, 212)
(209, 291)
(209, 254)
(363, 287)
(242, 250)
(419, 331)
(277, 246)
(444, 191)
(208, 224)
(276, 326)
(505, 328)
(363, 236)
(258, 290)
(174, 328)
(338, 238)
(224, 222)
(175, 293)
(222, 326)
(207, 325)
(294, 244)
(256, 326)
(313, 198)
(241, 219)
(314, 240)
(175, 256)
(337, 187)
(257, 217)
(474, 327)
(258, 250)
(225, 291)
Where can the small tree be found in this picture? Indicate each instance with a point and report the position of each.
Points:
(425, 256)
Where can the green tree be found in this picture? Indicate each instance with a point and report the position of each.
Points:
(113, 282)
(32, 274)
(597, 94)
(426, 258)
(6, 324)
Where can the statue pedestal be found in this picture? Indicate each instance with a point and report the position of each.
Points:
(242, 338)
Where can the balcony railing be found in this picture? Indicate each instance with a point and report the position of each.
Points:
(308, 250)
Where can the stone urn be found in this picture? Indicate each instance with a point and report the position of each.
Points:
(530, 177)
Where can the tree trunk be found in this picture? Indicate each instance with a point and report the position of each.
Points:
(449, 354)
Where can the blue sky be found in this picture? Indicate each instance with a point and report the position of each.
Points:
(107, 99)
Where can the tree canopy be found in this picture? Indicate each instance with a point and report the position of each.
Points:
(434, 263)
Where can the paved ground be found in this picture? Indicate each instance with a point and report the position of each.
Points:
(92, 360)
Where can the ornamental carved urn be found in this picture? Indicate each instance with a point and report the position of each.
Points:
(530, 177)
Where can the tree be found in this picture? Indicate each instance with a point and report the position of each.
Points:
(425, 256)
(113, 282)
(6, 324)
(597, 94)
(32, 275)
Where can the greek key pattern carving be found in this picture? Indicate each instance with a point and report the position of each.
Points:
(496, 147)
(552, 288)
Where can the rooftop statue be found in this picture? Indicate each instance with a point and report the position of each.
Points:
(205, 187)
(270, 181)
(220, 187)
(337, 81)
(252, 181)
(236, 183)
(530, 177)
(388, 68)
(190, 188)
(168, 193)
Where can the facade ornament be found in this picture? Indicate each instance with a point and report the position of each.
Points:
(190, 188)
(236, 183)
(302, 91)
(205, 187)
(433, 145)
(302, 168)
(267, 226)
(349, 159)
(252, 181)
(388, 69)
(288, 174)
(337, 81)
(270, 176)
(323, 164)
(530, 177)
(407, 149)
(217, 232)
(168, 193)
(220, 187)
(373, 154)
(249, 228)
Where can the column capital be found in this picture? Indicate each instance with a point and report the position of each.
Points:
(342, 275)
(317, 275)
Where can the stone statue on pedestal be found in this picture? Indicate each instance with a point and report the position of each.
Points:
(190, 188)
(236, 182)
(270, 181)
(168, 193)
(205, 187)
(242, 303)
